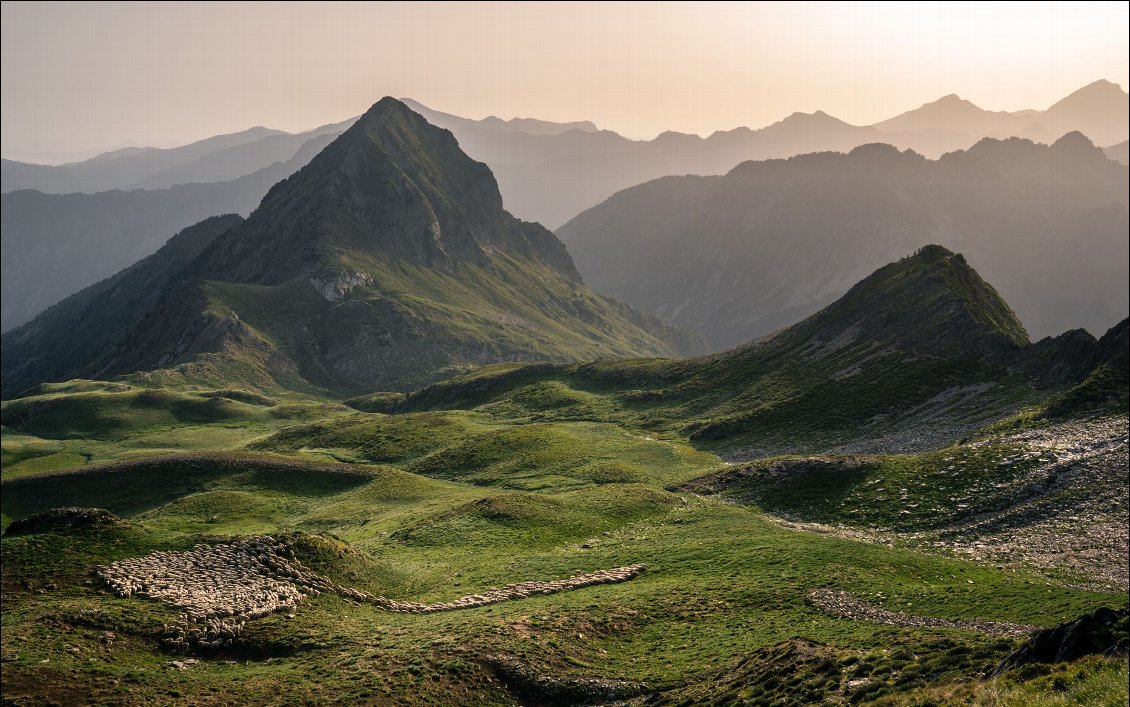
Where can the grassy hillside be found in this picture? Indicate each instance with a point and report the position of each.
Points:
(901, 449)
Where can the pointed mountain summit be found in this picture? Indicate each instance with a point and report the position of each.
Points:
(953, 113)
(391, 186)
(386, 262)
(930, 303)
(916, 354)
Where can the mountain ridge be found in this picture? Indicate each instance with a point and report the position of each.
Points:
(737, 256)
(386, 260)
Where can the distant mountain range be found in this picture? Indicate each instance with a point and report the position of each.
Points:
(53, 245)
(386, 262)
(1098, 110)
(551, 178)
(547, 172)
(735, 257)
(217, 159)
(1119, 152)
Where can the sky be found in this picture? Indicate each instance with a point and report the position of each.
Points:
(81, 78)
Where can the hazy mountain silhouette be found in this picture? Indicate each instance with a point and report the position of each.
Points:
(1119, 152)
(734, 257)
(219, 158)
(126, 168)
(547, 172)
(552, 177)
(1099, 110)
(384, 262)
(53, 245)
(533, 126)
(954, 114)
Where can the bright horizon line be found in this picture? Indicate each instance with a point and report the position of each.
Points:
(96, 151)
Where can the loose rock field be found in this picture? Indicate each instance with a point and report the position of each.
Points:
(845, 605)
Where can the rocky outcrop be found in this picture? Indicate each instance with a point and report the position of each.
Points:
(334, 286)
(64, 519)
(222, 587)
(1103, 631)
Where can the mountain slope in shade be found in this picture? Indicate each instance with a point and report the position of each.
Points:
(383, 263)
(915, 355)
(735, 257)
(60, 339)
(56, 244)
(1100, 110)
(1119, 152)
(124, 169)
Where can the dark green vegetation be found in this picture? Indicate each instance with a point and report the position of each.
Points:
(386, 262)
(741, 255)
(724, 591)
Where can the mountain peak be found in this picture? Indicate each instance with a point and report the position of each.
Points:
(1101, 86)
(951, 99)
(392, 186)
(386, 106)
(931, 302)
(1075, 141)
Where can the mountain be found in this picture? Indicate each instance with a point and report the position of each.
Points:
(215, 159)
(118, 169)
(874, 543)
(954, 114)
(1119, 152)
(547, 172)
(532, 126)
(93, 318)
(384, 262)
(735, 257)
(913, 356)
(555, 174)
(53, 245)
(1100, 110)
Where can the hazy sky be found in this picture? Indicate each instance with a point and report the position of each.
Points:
(82, 77)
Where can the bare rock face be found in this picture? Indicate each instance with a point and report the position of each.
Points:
(222, 587)
(334, 286)
(1103, 631)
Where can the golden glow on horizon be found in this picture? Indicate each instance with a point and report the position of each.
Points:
(78, 77)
